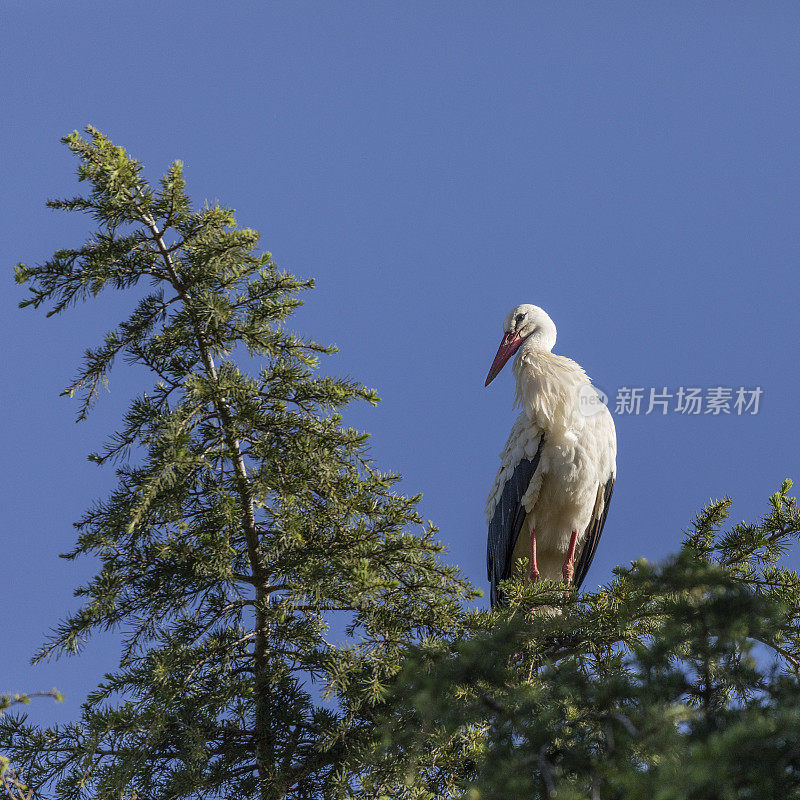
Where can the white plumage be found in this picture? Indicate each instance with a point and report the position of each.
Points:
(574, 467)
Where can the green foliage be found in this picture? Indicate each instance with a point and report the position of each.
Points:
(676, 681)
(11, 784)
(9, 700)
(266, 578)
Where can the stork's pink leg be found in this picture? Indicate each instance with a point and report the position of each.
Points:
(568, 570)
(533, 570)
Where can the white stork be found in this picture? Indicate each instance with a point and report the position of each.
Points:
(550, 497)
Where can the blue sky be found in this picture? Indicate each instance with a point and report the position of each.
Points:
(633, 168)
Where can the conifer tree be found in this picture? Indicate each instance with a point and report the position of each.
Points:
(675, 681)
(11, 784)
(266, 578)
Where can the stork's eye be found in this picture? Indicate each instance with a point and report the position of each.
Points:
(519, 318)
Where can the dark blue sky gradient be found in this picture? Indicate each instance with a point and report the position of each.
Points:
(633, 168)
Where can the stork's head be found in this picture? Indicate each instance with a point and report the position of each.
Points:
(524, 326)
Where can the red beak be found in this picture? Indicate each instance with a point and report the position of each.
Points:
(509, 346)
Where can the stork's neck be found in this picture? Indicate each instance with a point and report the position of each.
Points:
(542, 340)
(548, 388)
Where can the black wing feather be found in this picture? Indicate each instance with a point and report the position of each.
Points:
(506, 523)
(593, 531)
